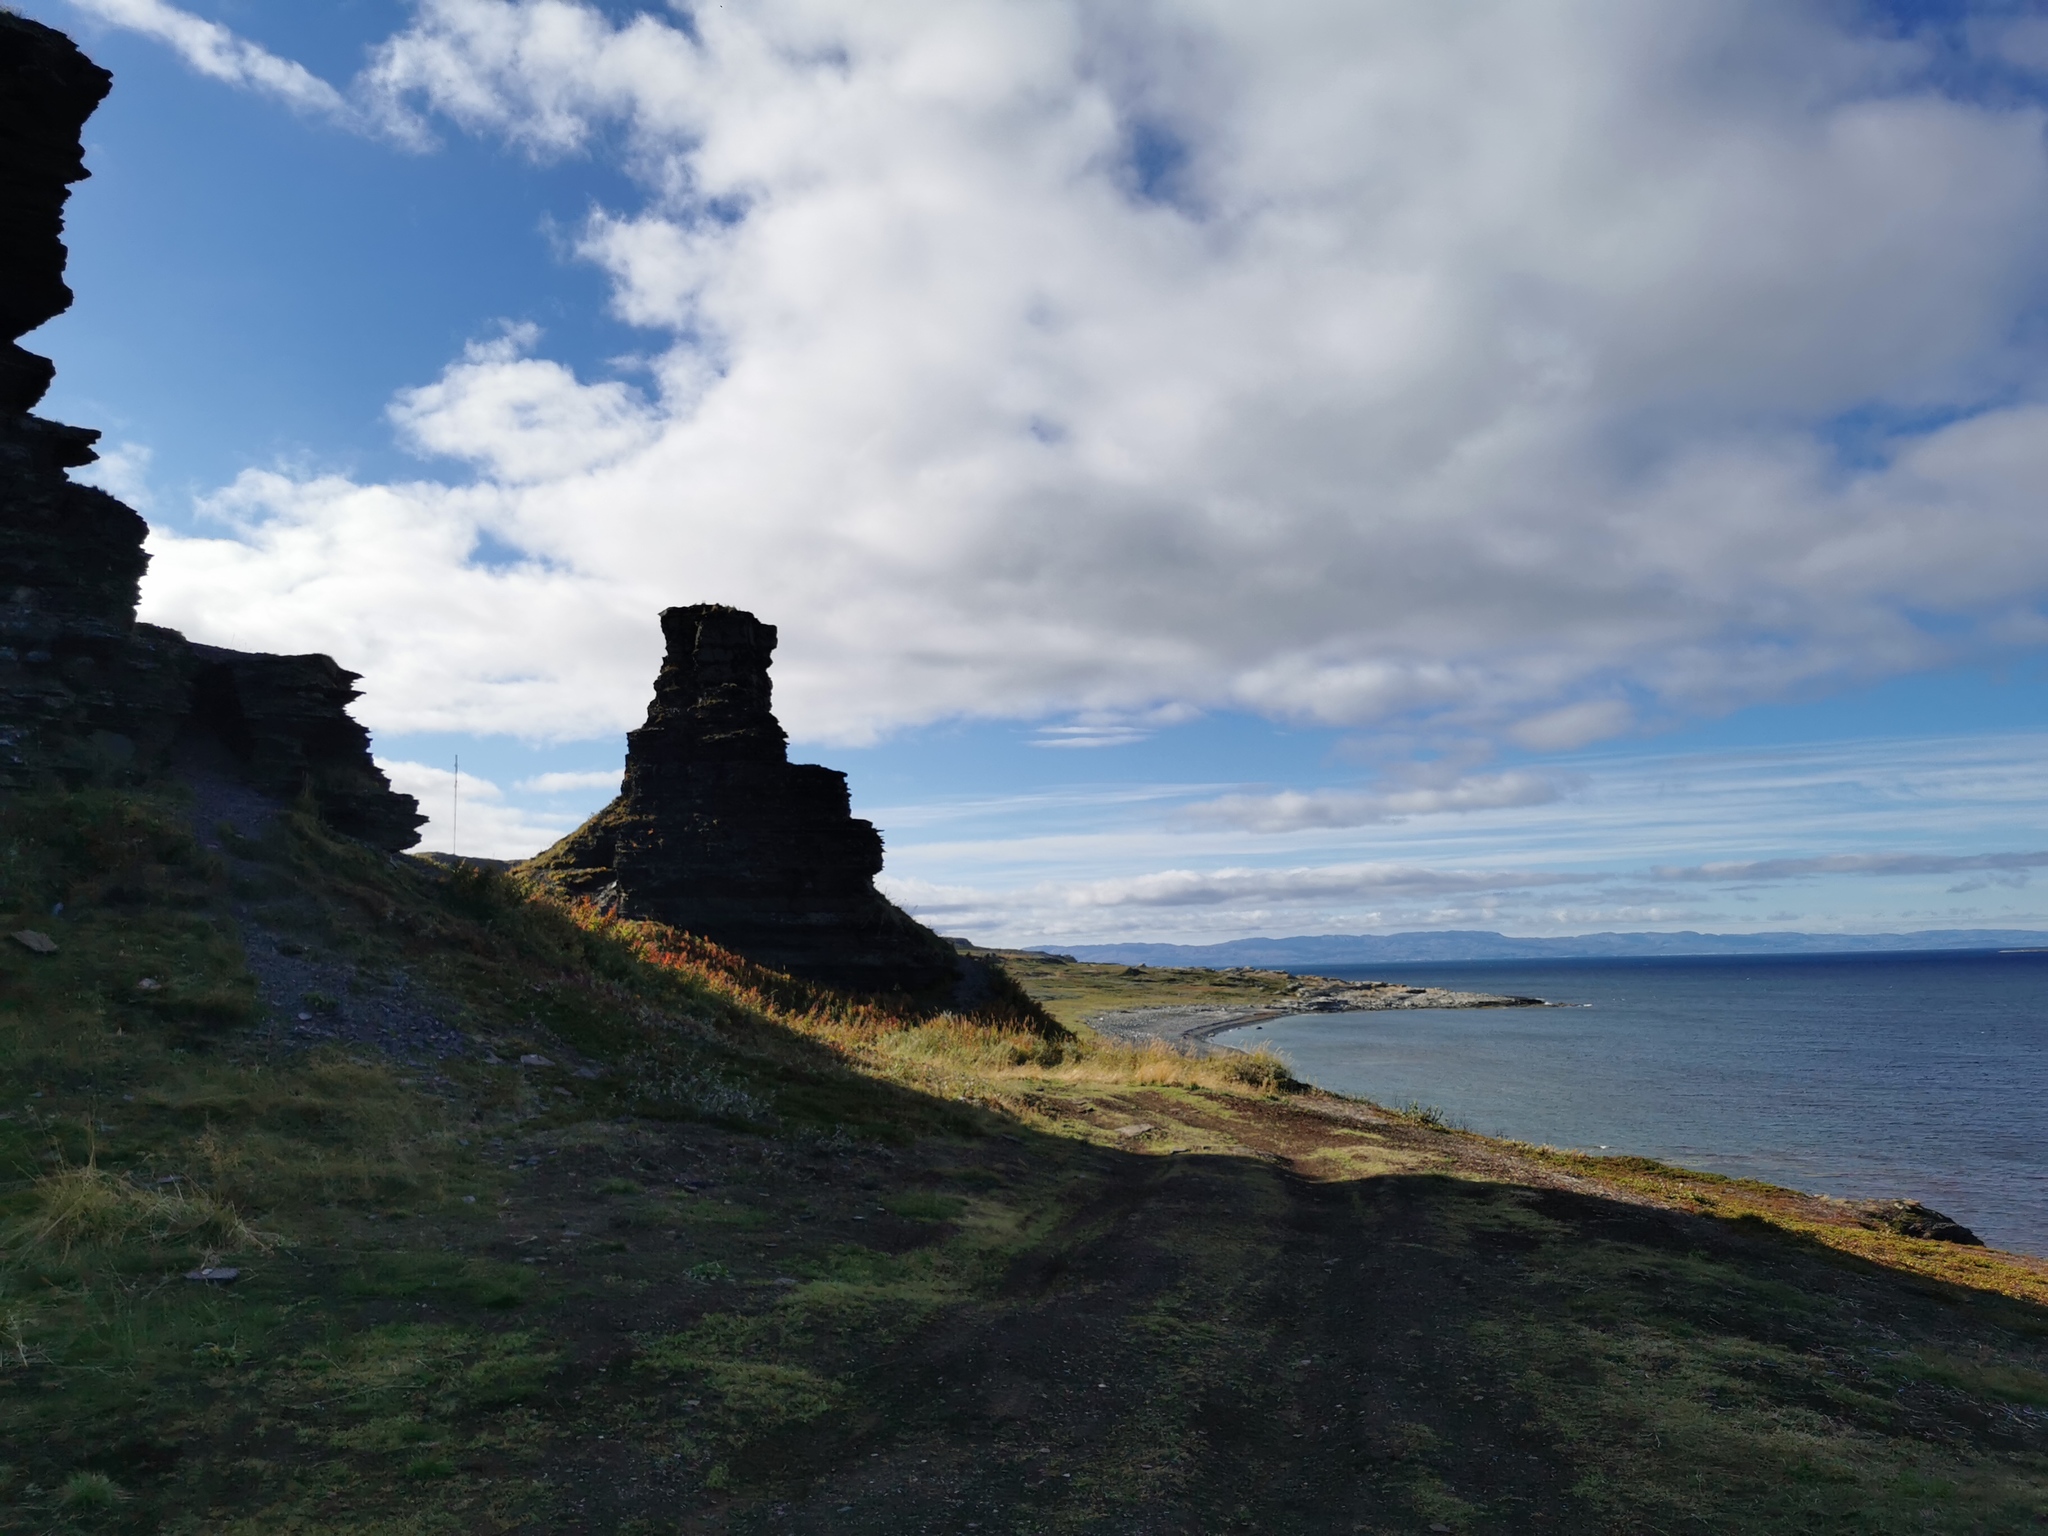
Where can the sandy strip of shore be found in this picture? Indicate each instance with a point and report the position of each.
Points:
(1194, 1028)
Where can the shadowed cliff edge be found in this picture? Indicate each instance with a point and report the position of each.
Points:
(716, 832)
(88, 695)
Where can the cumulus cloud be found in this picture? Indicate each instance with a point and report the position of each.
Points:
(483, 825)
(520, 418)
(1524, 372)
(123, 472)
(385, 576)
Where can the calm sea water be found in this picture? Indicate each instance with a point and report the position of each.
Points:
(1921, 1075)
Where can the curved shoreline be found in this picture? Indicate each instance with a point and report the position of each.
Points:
(1194, 1027)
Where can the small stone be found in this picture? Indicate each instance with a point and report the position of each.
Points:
(532, 1060)
(41, 943)
(305, 1018)
(589, 1074)
(214, 1276)
(1132, 1130)
(148, 984)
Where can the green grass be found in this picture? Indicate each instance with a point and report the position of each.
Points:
(778, 1249)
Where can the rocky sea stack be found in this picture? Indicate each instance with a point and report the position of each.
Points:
(715, 831)
(88, 695)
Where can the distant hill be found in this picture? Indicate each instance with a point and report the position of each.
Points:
(1474, 944)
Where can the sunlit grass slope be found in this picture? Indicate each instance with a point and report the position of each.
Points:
(679, 1244)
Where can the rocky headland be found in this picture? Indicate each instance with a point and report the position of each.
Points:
(716, 832)
(1192, 1027)
(87, 694)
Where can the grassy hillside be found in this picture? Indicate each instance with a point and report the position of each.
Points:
(1071, 990)
(545, 1223)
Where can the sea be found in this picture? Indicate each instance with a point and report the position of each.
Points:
(1922, 1076)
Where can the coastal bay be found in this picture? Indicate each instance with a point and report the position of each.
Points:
(1195, 1026)
(1860, 1077)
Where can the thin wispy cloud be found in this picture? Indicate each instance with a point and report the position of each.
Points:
(1192, 888)
(1294, 810)
(1909, 833)
(220, 54)
(1762, 871)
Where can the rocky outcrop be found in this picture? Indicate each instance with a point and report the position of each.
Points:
(284, 720)
(47, 91)
(86, 693)
(716, 832)
(1909, 1218)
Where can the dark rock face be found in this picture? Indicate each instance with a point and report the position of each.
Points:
(285, 722)
(716, 832)
(86, 693)
(1909, 1218)
(47, 91)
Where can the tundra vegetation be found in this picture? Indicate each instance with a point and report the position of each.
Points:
(675, 1243)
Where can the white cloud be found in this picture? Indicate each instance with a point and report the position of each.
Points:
(520, 418)
(215, 51)
(123, 473)
(1294, 810)
(383, 576)
(1760, 870)
(1574, 725)
(2019, 40)
(606, 779)
(1868, 836)
(481, 824)
(1471, 367)
(1197, 888)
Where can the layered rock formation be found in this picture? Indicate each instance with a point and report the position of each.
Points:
(716, 832)
(86, 693)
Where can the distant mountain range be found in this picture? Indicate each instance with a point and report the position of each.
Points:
(1472, 944)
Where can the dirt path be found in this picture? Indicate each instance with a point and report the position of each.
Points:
(1196, 1344)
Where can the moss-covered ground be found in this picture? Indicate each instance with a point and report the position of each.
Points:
(739, 1255)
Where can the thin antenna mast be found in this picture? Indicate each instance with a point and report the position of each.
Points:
(455, 827)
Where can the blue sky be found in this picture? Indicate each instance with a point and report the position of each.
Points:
(1368, 468)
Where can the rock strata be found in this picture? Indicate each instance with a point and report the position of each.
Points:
(86, 693)
(716, 832)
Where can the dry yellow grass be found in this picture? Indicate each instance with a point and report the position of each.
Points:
(87, 1207)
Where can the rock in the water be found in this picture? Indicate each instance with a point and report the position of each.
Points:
(86, 693)
(1909, 1218)
(717, 833)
